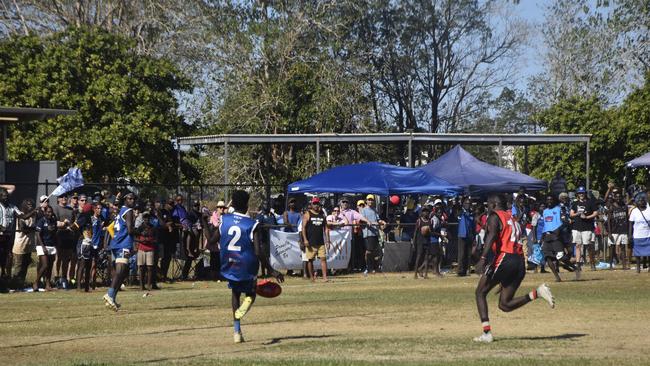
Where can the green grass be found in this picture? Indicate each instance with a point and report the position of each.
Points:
(380, 320)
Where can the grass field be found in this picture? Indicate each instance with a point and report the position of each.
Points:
(383, 319)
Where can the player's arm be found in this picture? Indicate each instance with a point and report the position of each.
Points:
(129, 218)
(573, 213)
(264, 260)
(493, 228)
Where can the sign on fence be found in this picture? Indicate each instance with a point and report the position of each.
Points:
(285, 250)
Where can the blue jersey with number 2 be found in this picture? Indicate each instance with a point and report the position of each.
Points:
(238, 259)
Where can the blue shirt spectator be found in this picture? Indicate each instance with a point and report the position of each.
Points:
(465, 224)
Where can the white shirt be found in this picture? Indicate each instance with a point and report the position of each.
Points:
(640, 219)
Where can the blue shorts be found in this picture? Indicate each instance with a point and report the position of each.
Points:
(246, 287)
(121, 255)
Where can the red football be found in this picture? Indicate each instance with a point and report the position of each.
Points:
(267, 288)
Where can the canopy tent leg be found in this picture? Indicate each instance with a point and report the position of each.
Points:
(410, 164)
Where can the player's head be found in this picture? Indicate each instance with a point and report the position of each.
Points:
(551, 201)
(425, 212)
(129, 200)
(497, 201)
(240, 201)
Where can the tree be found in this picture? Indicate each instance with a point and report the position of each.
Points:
(607, 146)
(634, 117)
(126, 106)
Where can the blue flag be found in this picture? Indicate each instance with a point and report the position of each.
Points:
(69, 181)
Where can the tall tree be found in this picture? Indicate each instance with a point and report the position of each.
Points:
(126, 106)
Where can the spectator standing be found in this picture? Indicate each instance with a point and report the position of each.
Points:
(215, 256)
(422, 242)
(353, 216)
(146, 246)
(315, 238)
(408, 220)
(267, 220)
(8, 215)
(639, 229)
(83, 224)
(65, 240)
(46, 248)
(371, 234)
(98, 233)
(24, 242)
(583, 212)
(617, 229)
(44, 202)
(465, 236)
(291, 217)
(168, 236)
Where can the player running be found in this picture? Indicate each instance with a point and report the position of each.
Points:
(121, 247)
(241, 255)
(508, 267)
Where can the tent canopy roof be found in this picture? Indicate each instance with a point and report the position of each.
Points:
(643, 160)
(376, 178)
(477, 177)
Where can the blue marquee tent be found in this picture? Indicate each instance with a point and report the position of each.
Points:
(477, 177)
(376, 178)
(643, 160)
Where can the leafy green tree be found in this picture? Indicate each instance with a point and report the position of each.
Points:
(607, 145)
(634, 119)
(126, 104)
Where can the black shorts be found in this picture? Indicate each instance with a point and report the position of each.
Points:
(508, 269)
(550, 248)
(372, 244)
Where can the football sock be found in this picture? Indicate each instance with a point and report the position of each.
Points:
(237, 326)
(486, 327)
(112, 293)
(532, 295)
(244, 307)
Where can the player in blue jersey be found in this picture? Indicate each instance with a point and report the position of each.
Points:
(552, 246)
(241, 256)
(121, 246)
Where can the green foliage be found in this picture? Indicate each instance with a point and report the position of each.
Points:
(619, 135)
(126, 104)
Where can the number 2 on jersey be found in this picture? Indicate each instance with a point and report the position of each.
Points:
(232, 244)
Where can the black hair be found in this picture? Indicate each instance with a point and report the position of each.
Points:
(240, 201)
(498, 199)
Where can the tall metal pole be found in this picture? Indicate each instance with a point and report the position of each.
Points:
(226, 179)
(500, 152)
(317, 155)
(178, 168)
(411, 151)
(587, 167)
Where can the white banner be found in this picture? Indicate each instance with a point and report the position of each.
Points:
(285, 250)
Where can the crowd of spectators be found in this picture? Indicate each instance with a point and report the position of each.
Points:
(446, 234)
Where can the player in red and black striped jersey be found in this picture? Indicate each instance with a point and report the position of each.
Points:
(507, 268)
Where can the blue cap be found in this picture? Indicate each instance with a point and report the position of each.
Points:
(581, 189)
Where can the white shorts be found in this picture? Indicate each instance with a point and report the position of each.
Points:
(41, 250)
(619, 239)
(583, 237)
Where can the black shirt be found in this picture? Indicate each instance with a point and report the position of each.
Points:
(314, 229)
(617, 217)
(587, 207)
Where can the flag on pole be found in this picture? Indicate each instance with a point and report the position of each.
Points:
(69, 181)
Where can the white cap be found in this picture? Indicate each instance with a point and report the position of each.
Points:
(437, 201)
(43, 198)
